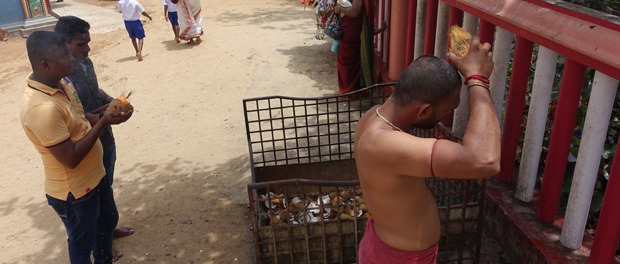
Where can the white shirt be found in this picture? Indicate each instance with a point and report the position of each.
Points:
(171, 7)
(131, 9)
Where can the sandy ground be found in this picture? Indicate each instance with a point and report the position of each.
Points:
(183, 162)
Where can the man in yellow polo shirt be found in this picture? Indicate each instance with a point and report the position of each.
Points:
(67, 140)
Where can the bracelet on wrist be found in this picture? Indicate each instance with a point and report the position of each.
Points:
(478, 77)
(479, 85)
(477, 82)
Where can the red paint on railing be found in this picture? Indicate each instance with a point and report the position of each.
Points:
(487, 31)
(409, 52)
(456, 16)
(514, 108)
(590, 44)
(561, 134)
(431, 25)
(606, 241)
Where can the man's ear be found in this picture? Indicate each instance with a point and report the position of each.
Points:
(425, 111)
(44, 66)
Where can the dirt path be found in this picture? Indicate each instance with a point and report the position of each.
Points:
(182, 159)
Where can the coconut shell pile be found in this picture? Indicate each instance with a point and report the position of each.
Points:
(311, 208)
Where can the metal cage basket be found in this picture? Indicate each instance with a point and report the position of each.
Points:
(305, 201)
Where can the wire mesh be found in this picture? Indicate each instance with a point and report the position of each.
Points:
(305, 200)
(287, 130)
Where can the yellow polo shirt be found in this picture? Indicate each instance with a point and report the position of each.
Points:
(49, 119)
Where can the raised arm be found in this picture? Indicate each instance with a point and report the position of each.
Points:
(479, 153)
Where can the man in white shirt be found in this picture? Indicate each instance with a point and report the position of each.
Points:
(170, 13)
(131, 11)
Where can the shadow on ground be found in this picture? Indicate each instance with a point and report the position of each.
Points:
(186, 212)
(314, 61)
(264, 18)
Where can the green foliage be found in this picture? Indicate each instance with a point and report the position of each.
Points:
(606, 6)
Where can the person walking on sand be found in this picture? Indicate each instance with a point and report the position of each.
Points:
(76, 32)
(170, 14)
(393, 165)
(131, 11)
(190, 21)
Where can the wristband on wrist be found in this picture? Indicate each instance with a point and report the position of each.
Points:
(479, 85)
(478, 77)
(477, 82)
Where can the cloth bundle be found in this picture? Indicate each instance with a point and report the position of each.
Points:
(333, 28)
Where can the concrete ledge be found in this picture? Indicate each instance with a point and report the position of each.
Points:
(25, 28)
(513, 224)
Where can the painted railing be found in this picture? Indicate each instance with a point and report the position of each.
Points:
(419, 27)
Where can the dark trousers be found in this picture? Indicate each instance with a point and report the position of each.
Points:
(109, 161)
(89, 222)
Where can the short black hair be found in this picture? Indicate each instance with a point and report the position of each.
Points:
(428, 79)
(43, 45)
(69, 26)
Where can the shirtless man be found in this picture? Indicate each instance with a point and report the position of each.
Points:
(392, 165)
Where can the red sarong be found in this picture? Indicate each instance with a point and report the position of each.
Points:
(373, 250)
(349, 62)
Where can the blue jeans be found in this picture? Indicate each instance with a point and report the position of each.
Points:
(89, 222)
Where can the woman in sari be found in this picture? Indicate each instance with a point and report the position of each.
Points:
(189, 19)
(355, 54)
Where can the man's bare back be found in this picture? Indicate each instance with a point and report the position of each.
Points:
(403, 209)
(393, 165)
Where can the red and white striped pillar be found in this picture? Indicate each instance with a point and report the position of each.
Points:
(514, 107)
(502, 48)
(593, 138)
(561, 134)
(544, 75)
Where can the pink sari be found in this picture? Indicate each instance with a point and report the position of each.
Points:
(189, 19)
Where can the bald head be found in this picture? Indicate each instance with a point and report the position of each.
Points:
(44, 46)
(427, 80)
